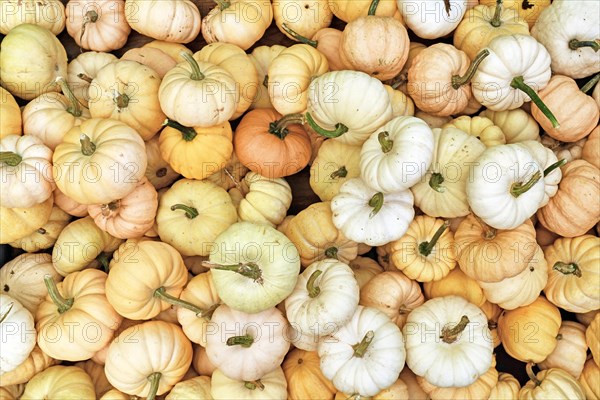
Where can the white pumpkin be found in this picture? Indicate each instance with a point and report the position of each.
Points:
(432, 19)
(397, 155)
(365, 215)
(18, 333)
(547, 159)
(364, 356)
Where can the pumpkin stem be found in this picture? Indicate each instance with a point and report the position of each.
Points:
(341, 172)
(154, 379)
(161, 172)
(567, 269)
(518, 188)
(10, 158)
(60, 302)
(74, 109)
(298, 37)
(196, 75)
(340, 129)
(84, 77)
(591, 83)
(458, 81)
(265, 81)
(3, 316)
(190, 212)
(449, 335)
(87, 146)
(495, 21)
(488, 231)
(529, 370)
(373, 7)
(253, 385)
(519, 83)
(249, 270)
(361, 348)
(103, 259)
(41, 231)
(447, 5)
(435, 182)
(313, 290)
(575, 44)
(331, 252)
(244, 341)
(223, 4)
(121, 100)
(552, 167)
(376, 202)
(426, 247)
(385, 143)
(90, 16)
(279, 127)
(162, 294)
(187, 133)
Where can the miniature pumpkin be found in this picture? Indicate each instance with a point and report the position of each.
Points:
(18, 333)
(551, 383)
(335, 163)
(480, 127)
(33, 365)
(589, 380)
(271, 386)
(11, 123)
(49, 14)
(305, 379)
(570, 351)
(60, 382)
(178, 21)
(17, 223)
(83, 69)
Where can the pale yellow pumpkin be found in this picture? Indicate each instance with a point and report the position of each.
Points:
(60, 382)
(507, 388)
(83, 69)
(458, 284)
(517, 125)
(570, 351)
(335, 163)
(46, 236)
(592, 338)
(480, 127)
(590, 380)
(17, 223)
(553, 383)
(11, 122)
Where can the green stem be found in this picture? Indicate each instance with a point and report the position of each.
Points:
(519, 83)
(74, 109)
(567, 269)
(5, 315)
(385, 143)
(162, 294)
(435, 182)
(313, 290)
(61, 303)
(10, 158)
(298, 37)
(529, 370)
(376, 202)
(373, 7)
(244, 341)
(591, 83)
(552, 167)
(154, 379)
(121, 100)
(331, 252)
(458, 81)
(187, 133)
(249, 270)
(361, 348)
(279, 127)
(425, 248)
(340, 129)
(196, 75)
(254, 385)
(223, 4)
(449, 335)
(519, 188)
(341, 172)
(87, 146)
(496, 22)
(190, 212)
(103, 259)
(575, 44)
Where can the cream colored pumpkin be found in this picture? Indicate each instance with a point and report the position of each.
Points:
(592, 338)
(271, 386)
(365, 269)
(33, 365)
(171, 21)
(11, 123)
(507, 388)
(49, 14)
(590, 380)
(18, 333)
(517, 125)
(335, 163)
(551, 383)
(60, 382)
(570, 351)
(83, 69)
(46, 235)
(482, 128)
(201, 292)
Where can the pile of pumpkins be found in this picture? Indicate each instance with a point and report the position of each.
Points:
(149, 195)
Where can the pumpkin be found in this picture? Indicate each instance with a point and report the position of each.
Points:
(507, 387)
(262, 57)
(396, 156)
(191, 388)
(17, 223)
(521, 289)
(573, 281)
(130, 216)
(415, 392)
(586, 318)
(18, 333)
(547, 160)
(96, 372)
(98, 26)
(426, 252)
(456, 283)
(31, 60)
(270, 144)
(172, 49)
(305, 379)
(517, 125)
(370, 346)
(551, 383)
(177, 22)
(576, 121)
(590, 151)
(349, 11)
(592, 334)
(23, 279)
(271, 386)
(570, 351)
(364, 269)
(303, 17)
(529, 10)
(528, 333)
(432, 20)
(432, 120)
(589, 380)
(481, 127)
(363, 214)
(239, 22)
(492, 312)
(334, 164)
(83, 69)
(80, 244)
(100, 356)
(68, 205)
(324, 298)
(160, 353)
(442, 190)
(127, 91)
(158, 171)
(198, 94)
(154, 58)
(60, 382)
(316, 237)
(33, 365)
(192, 213)
(201, 292)
(25, 170)
(201, 363)
(11, 123)
(259, 273)
(401, 80)
(402, 105)
(49, 14)
(457, 359)
(575, 208)
(230, 176)
(483, 23)
(392, 293)
(239, 340)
